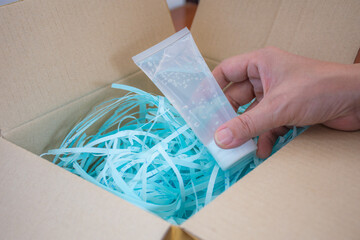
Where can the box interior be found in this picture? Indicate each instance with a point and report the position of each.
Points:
(48, 131)
(93, 47)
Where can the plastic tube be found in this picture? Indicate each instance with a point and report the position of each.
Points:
(177, 68)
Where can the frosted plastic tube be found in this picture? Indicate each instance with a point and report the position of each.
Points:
(177, 68)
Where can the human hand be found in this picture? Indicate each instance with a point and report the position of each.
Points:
(289, 90)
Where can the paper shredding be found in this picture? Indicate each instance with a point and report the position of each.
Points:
(143, 151)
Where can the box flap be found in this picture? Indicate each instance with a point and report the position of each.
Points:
(53, 52)
(308, 190)
(39, 200)
(322, 29)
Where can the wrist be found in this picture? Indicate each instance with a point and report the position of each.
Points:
(353, 77)
(340, 85)
(347, 78)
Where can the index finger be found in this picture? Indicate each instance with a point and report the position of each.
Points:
(234, 69)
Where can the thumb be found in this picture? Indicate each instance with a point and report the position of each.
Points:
(242, 128)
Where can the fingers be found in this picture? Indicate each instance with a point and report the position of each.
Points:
(247, 82)
(267, 141)
(237, 70)
(234, 69)
(347, 123)
(239, 94)
(250, 124)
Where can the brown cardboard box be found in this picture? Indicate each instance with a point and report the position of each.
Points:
(57, 60)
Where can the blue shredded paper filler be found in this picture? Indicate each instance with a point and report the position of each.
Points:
(139, 148)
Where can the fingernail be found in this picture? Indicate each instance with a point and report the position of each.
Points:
(224, 137)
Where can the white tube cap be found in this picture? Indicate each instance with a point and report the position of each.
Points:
(227, 158)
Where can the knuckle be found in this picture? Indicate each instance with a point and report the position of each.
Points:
(271, 51)
(271, 48)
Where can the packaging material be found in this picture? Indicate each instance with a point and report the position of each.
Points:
(177, 68)
(139, 148)
(57, 57)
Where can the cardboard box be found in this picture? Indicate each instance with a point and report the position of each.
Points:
(57, 60)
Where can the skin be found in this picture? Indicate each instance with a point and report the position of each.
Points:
(290, 90)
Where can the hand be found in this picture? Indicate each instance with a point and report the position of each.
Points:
(288, 90)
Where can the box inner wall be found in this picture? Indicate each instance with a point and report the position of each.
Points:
(48, 131)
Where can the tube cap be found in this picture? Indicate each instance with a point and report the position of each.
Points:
(227, 158)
